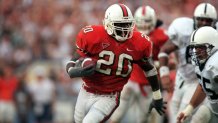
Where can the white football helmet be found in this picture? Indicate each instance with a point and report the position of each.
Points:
(203, 43)
(205, 12)
(119, 22)
(146, 19)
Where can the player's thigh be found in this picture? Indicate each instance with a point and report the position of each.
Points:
(102, 109)
(84, 101)
(120, 112)
(127, 92)
(144, 102)
(126, 100)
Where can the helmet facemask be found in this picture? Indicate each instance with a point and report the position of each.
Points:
(205, 15)
(120, 30)
(200, 53)
(123, 31)
(203, 21)
(203, 43)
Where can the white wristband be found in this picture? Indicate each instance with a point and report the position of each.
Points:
(157, 95)
(151, 72)
(188, 110)
(164, 71)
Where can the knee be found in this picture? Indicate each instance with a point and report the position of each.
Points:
(126, 94)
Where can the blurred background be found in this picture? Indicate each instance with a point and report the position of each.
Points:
(35, 42)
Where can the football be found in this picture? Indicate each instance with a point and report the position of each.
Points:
(88, 62)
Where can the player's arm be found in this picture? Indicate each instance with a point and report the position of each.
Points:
(73, 67)
(152, 76)
(163, 57)
(196, 100)
(198, 96)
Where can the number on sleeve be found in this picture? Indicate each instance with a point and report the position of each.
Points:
(87, 29)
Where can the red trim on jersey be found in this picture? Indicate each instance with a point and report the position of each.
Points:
(117, 104)
(125, 12)
(143, 10)
(91, 90)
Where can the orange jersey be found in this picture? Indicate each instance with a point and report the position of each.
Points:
(114, 59)
(158, 37)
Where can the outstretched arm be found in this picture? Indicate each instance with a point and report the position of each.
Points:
(152, 76)
(196, 100)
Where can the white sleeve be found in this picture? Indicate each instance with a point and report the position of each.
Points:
(180, 31)
(173, 34)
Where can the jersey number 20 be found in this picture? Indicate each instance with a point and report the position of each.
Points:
(110, 61)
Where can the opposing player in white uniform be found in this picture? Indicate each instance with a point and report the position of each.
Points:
(179, 32)
(204, 54)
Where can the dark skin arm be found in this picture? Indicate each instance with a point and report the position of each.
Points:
(75, 55)
(74, 68)
(157, 101)
(153, 80)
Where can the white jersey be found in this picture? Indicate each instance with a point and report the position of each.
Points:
(180, 32)
(206, 79)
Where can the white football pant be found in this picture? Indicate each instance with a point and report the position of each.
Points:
(93, 108)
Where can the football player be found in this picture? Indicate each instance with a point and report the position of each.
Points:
(134, 91)
(115, 48)
(203, 51)
(179, 32)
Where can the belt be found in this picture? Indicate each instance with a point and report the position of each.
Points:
(91, 90)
